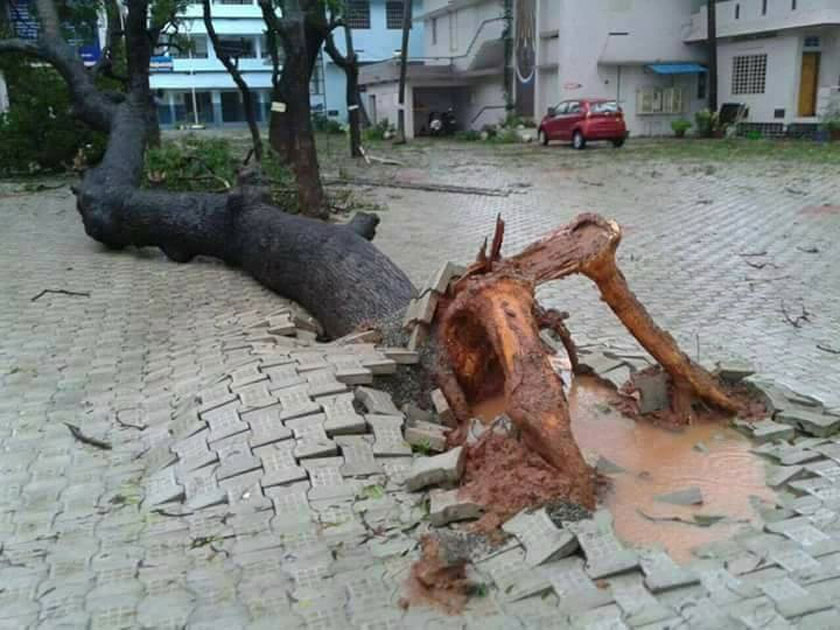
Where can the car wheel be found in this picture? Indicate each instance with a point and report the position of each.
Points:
(618, 142)
(543, 138)
(578, 141)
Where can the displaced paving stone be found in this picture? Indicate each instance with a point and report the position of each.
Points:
(446, 507)
(440, 279)
(442, 408)
(358, 456)
(605, 555)
(653, 391)
(811, 422)
(577, 592)
(778, 476)
(541, 538)
(376, 401)
(791, 599)
(378, 363)
(323, 383)
(662, 573)
(266, 426)
(308, 360)
(387, 431)
(235, 457)
(426, 436)
(224, 421)
(689, 496)
(418, 337)
(282, 376)
(341, 416)
(278, 463)
(638, 606)
(350, 371)
(246, 374)
(734, 370)
(439, 469)
(425, 308)
(193, 452)
(617, 376)
(401, 356)
(163, 487)
(281, 325)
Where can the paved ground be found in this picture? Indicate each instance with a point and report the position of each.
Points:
(81, 547)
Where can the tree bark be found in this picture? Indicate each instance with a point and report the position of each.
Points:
(406, 29)
(350, 64)
(233, 70)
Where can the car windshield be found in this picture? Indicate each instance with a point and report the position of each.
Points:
(604, 107)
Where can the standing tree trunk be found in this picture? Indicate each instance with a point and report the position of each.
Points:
(711, 25)
(350, 64)
(301, 32)
(232, 66)
(406, 29)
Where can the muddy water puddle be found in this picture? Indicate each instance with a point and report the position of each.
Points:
(657, 461)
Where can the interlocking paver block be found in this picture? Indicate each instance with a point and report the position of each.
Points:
(358, 456)
(638, 606)
(310, 437)
(402, 356)
(266, 426)
(350, 371)
(224, 421)
(376, 401)
(442, 408)
(235, 457)
(341, 417)
(279, 464)
(445, 506)
(214, 396)
(387, 431)
(323, 383)
(327, 480)
(810, 421)
(439, 469)
(255, 395)
(378, 363)
(282, 376)
(791, 599)
(193, 452)
(605, 555)
(162, 487)
(440, 279)
(308, 360)
(427, 436)
(296, 402)
(577, 592)
(289, 499)
(662, 573)
(246, 374)
(542, 539)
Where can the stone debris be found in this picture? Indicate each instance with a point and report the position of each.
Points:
(445, 506)
(439, 280)
(653, 391)
(811, 421)
(688, 496)
(442, 408)
(542, 539)
(376, 401)
(437, 470)
(765, 430)
(426, 436)
(734, 370)
(605, 555)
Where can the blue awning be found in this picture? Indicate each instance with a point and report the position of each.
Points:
(677, 68)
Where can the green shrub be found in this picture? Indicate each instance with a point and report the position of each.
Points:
(753, 134)
(830, 120)
(383, 130)
(505, 136)
(706, 123)
(326, 125)
(680, 126)
(38, 132)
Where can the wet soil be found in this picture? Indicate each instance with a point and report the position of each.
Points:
(437, 580)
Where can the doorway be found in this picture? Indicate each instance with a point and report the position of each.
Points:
(808, 84)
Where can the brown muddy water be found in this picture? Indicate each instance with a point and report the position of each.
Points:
(655, 461)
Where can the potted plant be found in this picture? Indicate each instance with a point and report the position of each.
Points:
(831, 122)
(680, 126)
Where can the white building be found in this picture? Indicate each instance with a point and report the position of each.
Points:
(781, 58)
(630, 50)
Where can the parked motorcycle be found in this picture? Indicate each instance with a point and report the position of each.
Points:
(442, 123)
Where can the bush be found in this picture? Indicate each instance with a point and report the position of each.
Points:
(326, 125)
(505, 136)
(38, 132)
(383, 130)
(706, 123)
(680, 126)
(830, 120)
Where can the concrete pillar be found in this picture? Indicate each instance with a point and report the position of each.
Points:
(4, 94)
(216, 97)
(170, 101)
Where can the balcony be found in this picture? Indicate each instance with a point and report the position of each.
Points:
(737, 18)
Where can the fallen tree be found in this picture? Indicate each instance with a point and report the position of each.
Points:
(486, 325)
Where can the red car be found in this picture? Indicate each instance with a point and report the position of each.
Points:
(584, 119)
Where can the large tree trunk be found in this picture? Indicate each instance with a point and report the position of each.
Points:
(711, 43)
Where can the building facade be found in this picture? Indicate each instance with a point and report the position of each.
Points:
(780, 58)
(192, 87)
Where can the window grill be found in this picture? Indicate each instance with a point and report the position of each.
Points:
(749, 74)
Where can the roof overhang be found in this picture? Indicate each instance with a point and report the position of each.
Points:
(677, 68)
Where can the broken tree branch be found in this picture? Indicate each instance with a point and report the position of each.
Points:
(76, 432)
(797, 321)
(441, 188)
(61, 292)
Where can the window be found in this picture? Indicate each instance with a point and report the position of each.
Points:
(394, 15)
(358, 14)
(655, 100)
(238, 47)
(561, 109)
(605, 107)
(574, 108)
(737, 11)
(195, 47)
(812, 42)
(434, 31)
(749, 74)
(702, 80)
(763, 7)
(793, 5)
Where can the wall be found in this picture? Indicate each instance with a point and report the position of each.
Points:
(490, 93)
(458, 28)
(386, 104)
(780, 15)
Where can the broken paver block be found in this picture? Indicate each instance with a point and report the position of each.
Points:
(811, 422)
(653, 391)
(446, 506)
(426, 436)
(734, 370)
(418, 336)
(410, 316)
(638, 606)
(358, 456)
(542, 539)
(768, 430)
(415, 413)
(440, 279)
(378, 363)
(689, 496)
(351, 372)
(778, 476)
(426, 306)
(662, 573)
(281, 324)
(401, 356)
(376, 401)
(444, 411)
(605, 555)
(439, 469)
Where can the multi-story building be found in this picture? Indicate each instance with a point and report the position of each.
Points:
(483, 57)
(780, 58)
(193, 87)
